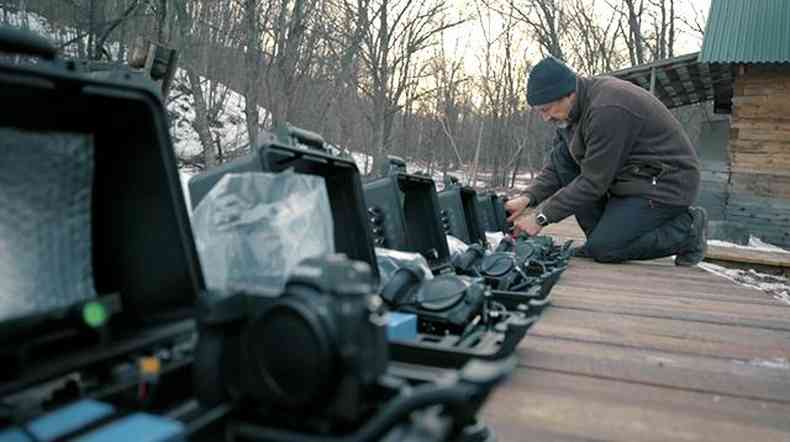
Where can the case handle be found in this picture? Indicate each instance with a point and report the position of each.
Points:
(22, 42)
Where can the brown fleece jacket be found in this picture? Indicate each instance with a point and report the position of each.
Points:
(627, 143)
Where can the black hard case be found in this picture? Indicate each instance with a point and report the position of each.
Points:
(343, 184)
(143, 254)
(407, 208)
(487, 213)
(460, 214)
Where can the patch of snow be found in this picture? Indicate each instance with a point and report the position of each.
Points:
(776, 286)
(754, 244)
(229, 128)
(39, 24)
(364, 162)
(778, 363)
(759, 244)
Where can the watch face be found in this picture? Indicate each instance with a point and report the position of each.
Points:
(541, 219)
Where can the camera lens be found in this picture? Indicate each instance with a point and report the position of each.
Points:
(296, 374)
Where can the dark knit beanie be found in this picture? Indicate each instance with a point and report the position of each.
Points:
(549, 81)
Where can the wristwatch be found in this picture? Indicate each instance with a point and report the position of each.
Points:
(541, 219)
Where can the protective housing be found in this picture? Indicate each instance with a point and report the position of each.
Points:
(487, 213)
(144, 274)
(403, 211)
(343, 184)
(459, 214)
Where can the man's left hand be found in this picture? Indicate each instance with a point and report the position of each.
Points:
(526, 223)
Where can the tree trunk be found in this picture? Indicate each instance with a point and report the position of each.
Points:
(252, 64)
(477, 155)
(162, 22)
(201, 119)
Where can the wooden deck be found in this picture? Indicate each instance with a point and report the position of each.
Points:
(649, 351)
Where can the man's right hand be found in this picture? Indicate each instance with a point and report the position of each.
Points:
(516, 206)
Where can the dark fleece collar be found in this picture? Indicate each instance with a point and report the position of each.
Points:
(580, 104)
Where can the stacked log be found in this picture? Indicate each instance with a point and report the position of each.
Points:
(759, 152)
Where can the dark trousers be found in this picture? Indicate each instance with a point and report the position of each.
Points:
(626, 228)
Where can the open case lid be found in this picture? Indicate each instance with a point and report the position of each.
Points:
(501, 214)
(93, 216)
(140, 239)
(403, 211)
(487, 213)
(343, 185)
(459, 211)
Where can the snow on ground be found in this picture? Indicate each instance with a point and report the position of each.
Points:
(36, 23)
(365, 164)
(42, 26)
(229, 129)
(754, 244)
(776, 286)
(778, 363)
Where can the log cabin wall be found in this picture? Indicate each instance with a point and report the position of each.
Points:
(759, 151)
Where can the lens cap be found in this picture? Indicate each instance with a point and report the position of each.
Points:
(525, 249)
(497, 264)
(442, 292)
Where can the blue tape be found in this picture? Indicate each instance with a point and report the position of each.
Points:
(138, 427)
(60, 422)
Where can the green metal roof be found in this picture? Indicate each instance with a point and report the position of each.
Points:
(747, 31)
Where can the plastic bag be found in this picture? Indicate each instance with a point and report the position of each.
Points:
(456, 246)
(252, 229)
(389, 261)
(493, 239)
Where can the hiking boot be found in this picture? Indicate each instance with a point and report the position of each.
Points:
(698, 237)
(580, 252)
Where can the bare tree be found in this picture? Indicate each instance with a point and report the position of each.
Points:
(662, 41)
(398, 30)
(694, 22)
(546, 20)
(630, 27)
(593, 41)
(252, 64)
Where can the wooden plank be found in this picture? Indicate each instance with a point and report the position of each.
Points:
(761, 158)
(731, 377)
(777, 136)
(661, 334)
(734, 254)
(650, 272)
(760, 125)
(761, 185)
(748, 200)
(768, 110)
(754, 168)
(697, 292)
(671, 308)
(765, 90)
(778, 233)
(559, 406)
(750, 217)
(746, 146)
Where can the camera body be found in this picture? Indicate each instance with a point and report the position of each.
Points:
(444, 304)
(317, 349)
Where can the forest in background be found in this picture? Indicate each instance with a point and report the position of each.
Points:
(441, 84)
